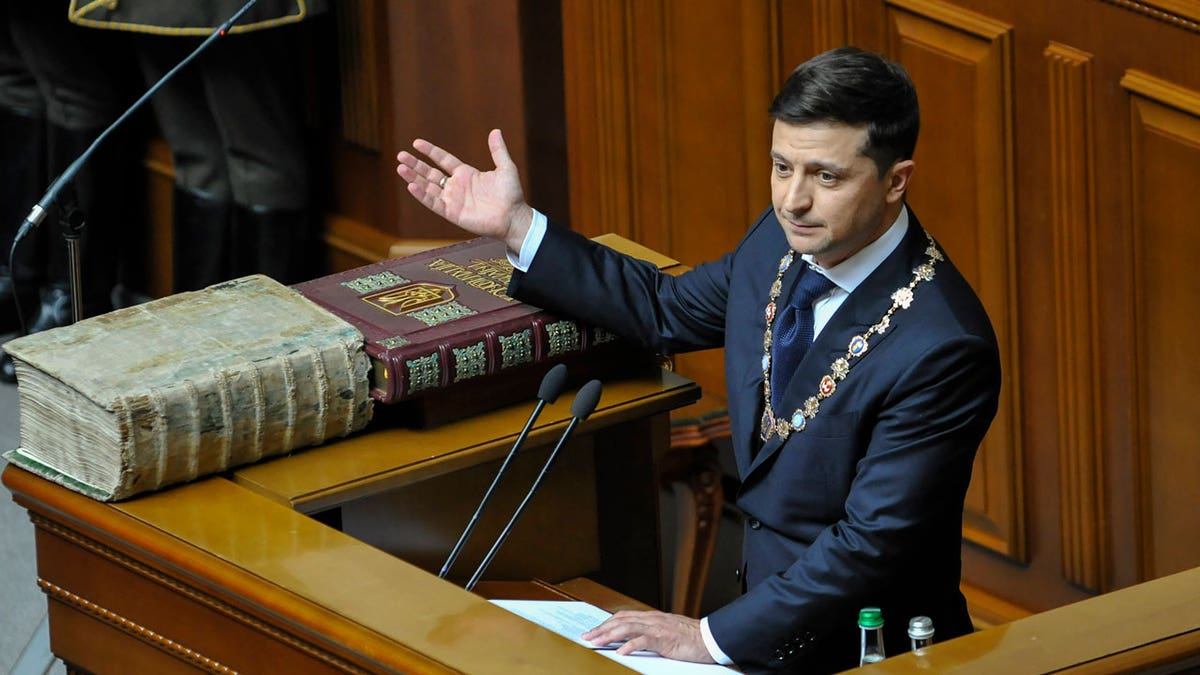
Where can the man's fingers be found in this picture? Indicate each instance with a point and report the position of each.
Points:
(412, 168)
(427, 194)
(443, 160)
(640, 643)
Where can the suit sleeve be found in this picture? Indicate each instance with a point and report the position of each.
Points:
(906, 495)
(577, 277)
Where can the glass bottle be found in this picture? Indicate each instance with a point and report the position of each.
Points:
(870, 624)
(920, 631)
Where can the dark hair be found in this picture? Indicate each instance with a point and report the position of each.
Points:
(855, 87)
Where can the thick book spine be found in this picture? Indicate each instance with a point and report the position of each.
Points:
(240, 415)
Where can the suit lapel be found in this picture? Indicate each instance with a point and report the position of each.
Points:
(861, 310)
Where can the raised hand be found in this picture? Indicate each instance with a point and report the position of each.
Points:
(486, 203)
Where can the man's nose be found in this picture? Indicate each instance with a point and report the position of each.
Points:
(798, 198)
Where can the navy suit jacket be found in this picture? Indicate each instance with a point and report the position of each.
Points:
(864, 506)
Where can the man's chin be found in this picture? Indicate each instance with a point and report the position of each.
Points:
(802, 244)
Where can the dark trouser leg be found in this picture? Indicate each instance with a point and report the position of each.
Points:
(77, 71)
(22, 174)
(259, 114)
(201, 240)
(202, 212)
(21, 179)
(280, 243)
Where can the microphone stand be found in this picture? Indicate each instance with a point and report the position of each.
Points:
(581, 408)
(73, 224)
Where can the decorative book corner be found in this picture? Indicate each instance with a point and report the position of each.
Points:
(188, 385)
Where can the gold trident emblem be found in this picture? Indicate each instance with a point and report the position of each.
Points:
(411, 298)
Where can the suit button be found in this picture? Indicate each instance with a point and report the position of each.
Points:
(737, 574)
(754, 524)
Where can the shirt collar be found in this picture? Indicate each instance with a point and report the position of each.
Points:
(852, 271)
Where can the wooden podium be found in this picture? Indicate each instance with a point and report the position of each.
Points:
(231, 574)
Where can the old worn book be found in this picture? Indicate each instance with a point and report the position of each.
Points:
(185, 386)
(441, 321)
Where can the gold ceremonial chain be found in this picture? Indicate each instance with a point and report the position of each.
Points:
(901, 299)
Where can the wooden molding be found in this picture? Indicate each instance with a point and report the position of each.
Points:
(1183, 14)
(962, 61)
(1165, 167)
(988, 610)
(1085, 551)
(1161, 91)
(150, 574)
(134, 629)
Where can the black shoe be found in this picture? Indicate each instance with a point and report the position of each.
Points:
(8, 372)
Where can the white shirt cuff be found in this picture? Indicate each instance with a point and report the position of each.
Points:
(711, 644)
(533, 241)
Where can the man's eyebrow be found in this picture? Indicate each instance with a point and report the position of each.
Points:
(825, 166)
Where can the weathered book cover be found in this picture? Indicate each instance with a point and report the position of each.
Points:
(441, 318)
(185, 386)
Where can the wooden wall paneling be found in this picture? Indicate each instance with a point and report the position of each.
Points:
(596, 61)
(456, 73)
(831, 24)
(961, 63)
(668, 132)
(810, 27)
(1165, 147)
(1085, 545)
(358, 66)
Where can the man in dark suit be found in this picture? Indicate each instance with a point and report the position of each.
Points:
(854, 449)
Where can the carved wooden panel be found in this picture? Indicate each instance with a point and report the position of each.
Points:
(1076, 288)
(1165, 144)
(668, 135)
(961, 63)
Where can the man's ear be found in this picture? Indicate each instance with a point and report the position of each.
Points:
(898, 177)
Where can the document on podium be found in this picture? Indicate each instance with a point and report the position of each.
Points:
(571, 619)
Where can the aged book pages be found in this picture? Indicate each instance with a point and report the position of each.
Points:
(185, 386)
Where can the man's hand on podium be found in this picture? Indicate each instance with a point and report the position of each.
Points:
(670, 635)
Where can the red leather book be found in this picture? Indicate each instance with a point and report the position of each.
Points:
(441, 319)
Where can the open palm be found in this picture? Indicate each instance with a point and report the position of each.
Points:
(486, 203)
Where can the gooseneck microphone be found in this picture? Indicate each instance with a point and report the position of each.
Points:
(552, 386)
(583, 405)
(38, 213)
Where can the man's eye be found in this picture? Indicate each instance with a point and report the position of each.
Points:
(827, 177)
(781, 169)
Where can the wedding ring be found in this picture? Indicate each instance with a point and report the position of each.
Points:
(442, 182)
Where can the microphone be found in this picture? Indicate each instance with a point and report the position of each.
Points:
(583, 405)
(38, 213)
(552, 386)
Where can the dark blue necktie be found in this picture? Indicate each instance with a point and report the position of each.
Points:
(794, 330)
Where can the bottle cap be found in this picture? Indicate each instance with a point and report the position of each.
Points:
(920, 628)
(870, 617)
